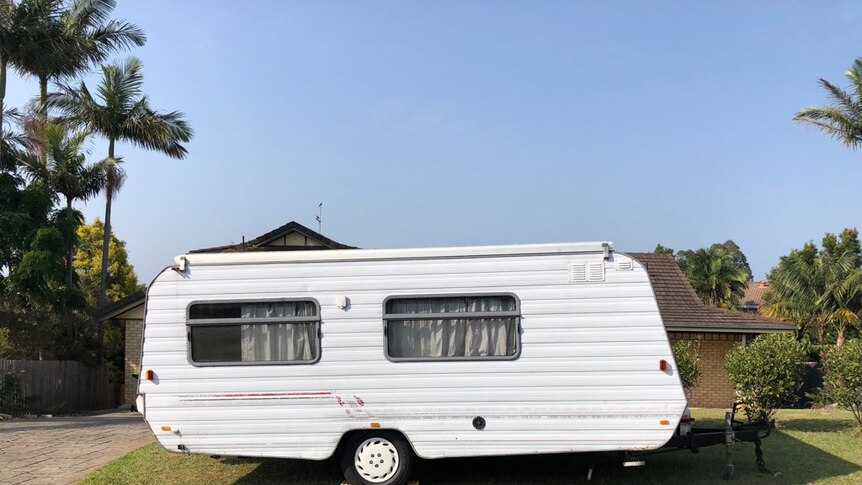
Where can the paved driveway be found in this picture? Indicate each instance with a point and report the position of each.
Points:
(60, 451)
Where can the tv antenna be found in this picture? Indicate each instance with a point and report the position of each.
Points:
(319, 217)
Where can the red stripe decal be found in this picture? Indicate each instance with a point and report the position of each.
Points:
(273, 394)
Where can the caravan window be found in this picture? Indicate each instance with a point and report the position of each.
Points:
(452, 327)
(254, 332)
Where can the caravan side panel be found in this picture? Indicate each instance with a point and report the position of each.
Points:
(587, 377)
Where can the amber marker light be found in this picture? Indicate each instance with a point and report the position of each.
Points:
(664, 422)
(166, 428)
(375, 424)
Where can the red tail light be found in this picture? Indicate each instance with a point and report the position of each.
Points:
(663, 365)
(149, 375)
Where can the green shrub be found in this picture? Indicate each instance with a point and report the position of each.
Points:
(5, 343)
(687, 357)
(767, 373)
(11, 400)
(842, 373)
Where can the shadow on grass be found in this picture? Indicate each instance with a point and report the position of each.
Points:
(815, 425)
(798, 462)
(281, 472)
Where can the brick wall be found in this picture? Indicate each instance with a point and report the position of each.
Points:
(133, 358)
(714, 389)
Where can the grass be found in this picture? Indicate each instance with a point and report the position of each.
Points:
(810, 446)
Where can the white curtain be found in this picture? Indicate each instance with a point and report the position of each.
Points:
(278, 341)
(448, 337)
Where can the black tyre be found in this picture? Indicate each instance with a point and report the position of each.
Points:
(377, 458)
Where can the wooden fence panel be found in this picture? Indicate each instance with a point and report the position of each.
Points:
(61, 386)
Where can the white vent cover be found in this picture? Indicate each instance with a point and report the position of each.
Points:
(625, 265)
(586, 271)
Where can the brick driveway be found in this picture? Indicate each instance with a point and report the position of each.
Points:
(61, 451)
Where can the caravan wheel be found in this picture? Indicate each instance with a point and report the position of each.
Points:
(377, 458)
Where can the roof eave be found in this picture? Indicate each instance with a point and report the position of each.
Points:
(111, 310)
(676, 327)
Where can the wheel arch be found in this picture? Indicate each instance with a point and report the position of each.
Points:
(370, 431)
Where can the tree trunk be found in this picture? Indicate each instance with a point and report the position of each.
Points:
(821, 332)
(842, 329)
(43, 95)
(106, 241)
(69, 246)
(3, 67)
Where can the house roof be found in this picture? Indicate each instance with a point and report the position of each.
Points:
(682, 309)
(263, 242)
(111, 310)
(753, 296)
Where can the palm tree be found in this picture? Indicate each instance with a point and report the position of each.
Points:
(57, 160)
(11, 37)
(121, 112)
(822, 290)
(65, 37)
(715, 277)
(10, 141)
(842, 119)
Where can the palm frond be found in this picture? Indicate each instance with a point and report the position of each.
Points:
(854, 74)
(834, 122)
(165, 132)
(843, 100)
(89, 12)
(114, 36)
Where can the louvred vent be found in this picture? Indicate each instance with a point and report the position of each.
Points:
(586, 271)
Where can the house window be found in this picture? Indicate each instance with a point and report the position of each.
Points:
(254, 332)
(452, 327)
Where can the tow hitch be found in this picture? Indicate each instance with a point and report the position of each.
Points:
(733, 432)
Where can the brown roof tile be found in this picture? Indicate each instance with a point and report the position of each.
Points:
(753, 296)
(257, 244)
(680, 306)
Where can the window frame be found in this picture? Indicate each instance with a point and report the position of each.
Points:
(214, 322)
(516, 314)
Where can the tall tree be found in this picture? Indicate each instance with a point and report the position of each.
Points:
(842, 118)
(66, 37)
(659, 249)
(64, 170)
(12, 30)
(121, 112)
(122, 280)
(715, 276)
(737, 257)
(821, 290)
(846, 241)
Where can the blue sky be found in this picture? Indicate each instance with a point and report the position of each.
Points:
(453, 123)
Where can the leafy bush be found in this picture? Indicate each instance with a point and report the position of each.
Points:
(10, 394)
(767, 373)
(687, 358)
(5, 343)
(843, 376)
(12, 399)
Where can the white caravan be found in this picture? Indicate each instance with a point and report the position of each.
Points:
(387, 354)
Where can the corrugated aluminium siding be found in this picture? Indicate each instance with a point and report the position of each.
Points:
(587, 378)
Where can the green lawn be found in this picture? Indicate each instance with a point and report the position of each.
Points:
(810, 446)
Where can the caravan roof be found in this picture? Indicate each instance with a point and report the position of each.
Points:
(400, 253)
